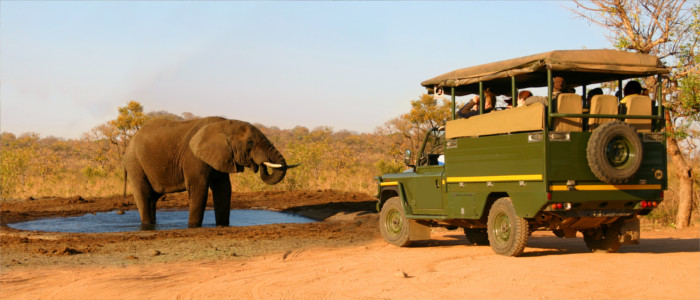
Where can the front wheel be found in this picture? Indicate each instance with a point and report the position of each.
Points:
(393, 223)
(507, 232)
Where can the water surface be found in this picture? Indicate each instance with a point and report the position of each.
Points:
(166, 219)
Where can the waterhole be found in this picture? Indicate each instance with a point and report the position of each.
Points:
(167, 219)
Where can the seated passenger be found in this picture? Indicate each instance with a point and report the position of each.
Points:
(466, 110)
(593, 92)
(522, 96)
(560, 87)
(631, 88)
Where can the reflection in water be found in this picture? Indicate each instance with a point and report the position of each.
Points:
(166, 219)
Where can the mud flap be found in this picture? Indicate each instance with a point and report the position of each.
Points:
(629, 231)
(418, 231)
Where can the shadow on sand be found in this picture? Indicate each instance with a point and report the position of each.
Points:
(551, 245)
(323, 211)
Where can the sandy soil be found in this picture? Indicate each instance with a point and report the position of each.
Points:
(340, 257)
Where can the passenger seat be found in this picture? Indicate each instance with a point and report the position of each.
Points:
(603, 105)
(568, 103)
(639, 105)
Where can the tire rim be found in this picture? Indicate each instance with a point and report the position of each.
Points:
(619, 152)
(394, 222)
(501, 228)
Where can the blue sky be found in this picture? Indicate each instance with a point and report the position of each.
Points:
(65, 67)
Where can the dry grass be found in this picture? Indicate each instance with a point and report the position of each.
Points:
(35, 167)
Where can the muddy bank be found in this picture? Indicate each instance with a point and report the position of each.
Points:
(344, 218)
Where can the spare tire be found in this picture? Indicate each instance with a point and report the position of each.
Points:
(614, 152)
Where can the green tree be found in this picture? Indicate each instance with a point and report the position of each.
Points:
(669, 29)
(117, 133)
(129, 120)
(408, 130)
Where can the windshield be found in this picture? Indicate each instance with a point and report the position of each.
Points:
(436, 142)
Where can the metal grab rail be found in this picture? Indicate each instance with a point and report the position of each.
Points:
(562, 115)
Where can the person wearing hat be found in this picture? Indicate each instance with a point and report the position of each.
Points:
(466, 110)
(559, 87)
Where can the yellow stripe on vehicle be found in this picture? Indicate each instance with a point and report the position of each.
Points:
(606, 187)
(527, 177)
(389, 183)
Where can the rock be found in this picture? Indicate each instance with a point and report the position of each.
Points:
(401, 274)
(155, 253)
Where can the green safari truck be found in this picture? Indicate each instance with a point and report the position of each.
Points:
(566, 164)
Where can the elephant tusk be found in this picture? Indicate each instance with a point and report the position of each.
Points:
(271, 165)
(278, 166)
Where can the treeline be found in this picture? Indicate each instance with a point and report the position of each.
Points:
(35, 167)
(32, 166)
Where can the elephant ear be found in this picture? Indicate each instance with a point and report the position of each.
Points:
(211, 146)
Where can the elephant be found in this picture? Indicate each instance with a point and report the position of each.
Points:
(196, 155)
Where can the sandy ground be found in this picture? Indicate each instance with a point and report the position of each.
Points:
(341, 257)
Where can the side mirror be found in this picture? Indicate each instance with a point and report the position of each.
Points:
(407, 157)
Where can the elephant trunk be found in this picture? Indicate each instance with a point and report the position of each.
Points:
(278, 172)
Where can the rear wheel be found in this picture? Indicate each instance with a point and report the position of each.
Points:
(393, 223)
(507, 232)
(477, 236)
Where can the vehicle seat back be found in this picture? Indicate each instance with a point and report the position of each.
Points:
(603, 105)
(568, 103)
(639, 105)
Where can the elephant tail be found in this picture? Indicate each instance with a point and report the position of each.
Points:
(125, 181)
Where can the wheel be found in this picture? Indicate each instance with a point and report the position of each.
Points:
(477, 236)
(604, 239)
(393, 223)
(507, 232)
(614, 152)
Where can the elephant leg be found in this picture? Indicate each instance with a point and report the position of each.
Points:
(145, 198)
(198, 203)
(221, 190)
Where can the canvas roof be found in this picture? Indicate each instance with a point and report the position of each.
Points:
(578, 67)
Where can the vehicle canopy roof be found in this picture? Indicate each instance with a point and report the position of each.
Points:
(578, 67)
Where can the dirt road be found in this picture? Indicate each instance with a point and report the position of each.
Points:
(339, 258)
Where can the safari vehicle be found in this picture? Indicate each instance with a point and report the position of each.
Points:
(563, 167)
